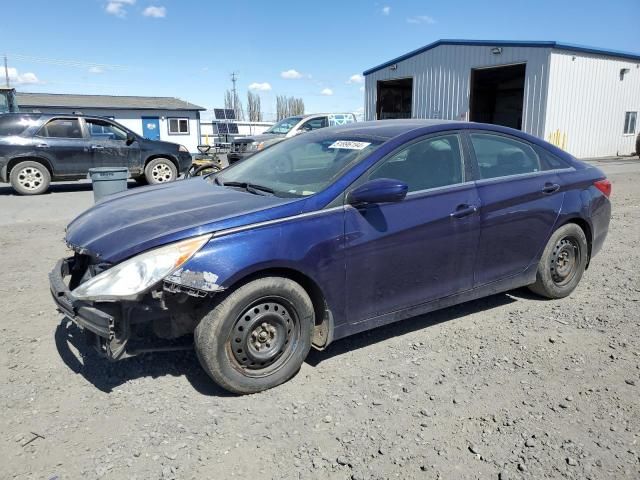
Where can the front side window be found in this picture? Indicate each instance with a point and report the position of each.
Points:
(179, 126)
(302, 165)
(500, 156)
(101, 129)
(314, 124)
(435, 162)
(62, 128)
(630, 122)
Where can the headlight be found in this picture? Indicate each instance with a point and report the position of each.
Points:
(257, 145)
(135, 275)
(182, 148)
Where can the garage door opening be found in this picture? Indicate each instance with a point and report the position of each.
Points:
(497, 95)
(394, 98)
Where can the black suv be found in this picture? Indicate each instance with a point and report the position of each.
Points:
(36, 149)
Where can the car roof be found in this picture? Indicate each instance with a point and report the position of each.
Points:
(387, 129)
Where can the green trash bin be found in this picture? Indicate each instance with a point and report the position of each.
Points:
(108, 180)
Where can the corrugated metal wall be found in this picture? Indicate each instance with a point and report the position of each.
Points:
(441, 81)
(588, 101)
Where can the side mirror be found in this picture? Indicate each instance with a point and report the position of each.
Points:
(380, 190)
(130, 138)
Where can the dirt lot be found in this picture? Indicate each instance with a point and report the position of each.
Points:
(510, 386)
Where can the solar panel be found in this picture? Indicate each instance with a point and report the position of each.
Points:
(222, 128)
(219, 113)
(233, 128)
(230, 113)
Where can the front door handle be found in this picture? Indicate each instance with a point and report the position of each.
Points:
(97, 147)
(42, 145)
(550, 188)
(463, 210)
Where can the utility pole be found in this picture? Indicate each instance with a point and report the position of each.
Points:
(234, 78)
(6, 71)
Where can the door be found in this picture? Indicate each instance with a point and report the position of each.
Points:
(61, 140)
(151, 128)
(108, 145)
(403, 254)
(521, 199)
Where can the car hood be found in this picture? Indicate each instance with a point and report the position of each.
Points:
(128, 223)
(264, 137)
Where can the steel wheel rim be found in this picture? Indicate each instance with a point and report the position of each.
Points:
(264, 337)
(162, 173)
(30, 178)
(565, 260)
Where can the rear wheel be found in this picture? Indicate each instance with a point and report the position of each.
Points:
(563, 262)
(160, 170)
(30, 178)
(258, 336)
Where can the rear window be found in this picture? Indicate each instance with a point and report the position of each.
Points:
(16, 124)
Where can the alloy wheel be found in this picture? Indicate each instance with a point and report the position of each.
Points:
(161, 173)
(30, 178)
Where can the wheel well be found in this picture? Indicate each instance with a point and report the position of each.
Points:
(310, 286)
(14, 161)
(168, 157)
(586, 228)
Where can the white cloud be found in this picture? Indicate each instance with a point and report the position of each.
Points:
(263, 87)
(386, 10)
(155, 12)
(117, 7)
(327, 92)
(291, 74)
(17, 78)
(357, 78)
(96, 70)
(426, 19)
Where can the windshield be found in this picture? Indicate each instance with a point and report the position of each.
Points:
(283, 126)
(300, 166)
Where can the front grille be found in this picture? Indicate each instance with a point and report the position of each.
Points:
(239, 147)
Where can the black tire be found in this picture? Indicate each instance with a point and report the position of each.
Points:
(205, 170)
(160, 170)
(142, 180)
(30, 178)
(562, 263)
(258, 336)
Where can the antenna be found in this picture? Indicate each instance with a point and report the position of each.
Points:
(6, 71)
(234, 79)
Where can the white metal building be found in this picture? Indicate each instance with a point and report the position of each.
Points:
(585, 100)
(158, 118)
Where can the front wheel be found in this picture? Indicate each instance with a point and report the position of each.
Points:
(258, 336)
(160, 170)
(563, 262)
(30, 178)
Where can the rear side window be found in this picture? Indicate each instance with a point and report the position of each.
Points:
(500, 156)
(435, 162)
(62, 128)
(15, 125)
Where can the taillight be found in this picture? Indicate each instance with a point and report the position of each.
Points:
(604, 186)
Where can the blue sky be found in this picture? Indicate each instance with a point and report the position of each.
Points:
(312, 49)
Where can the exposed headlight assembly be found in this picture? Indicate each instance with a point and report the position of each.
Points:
(182, 148)
(137, 274)
(257, 145)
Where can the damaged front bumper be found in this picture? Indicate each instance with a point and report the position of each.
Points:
(120, 329)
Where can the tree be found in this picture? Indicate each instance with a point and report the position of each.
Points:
(288, 106)
(253, 107)
(232, 102)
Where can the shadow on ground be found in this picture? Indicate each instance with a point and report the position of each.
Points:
(106, 375)
(63, 187)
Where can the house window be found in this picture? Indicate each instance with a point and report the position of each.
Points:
(630, 122)
(178, 126)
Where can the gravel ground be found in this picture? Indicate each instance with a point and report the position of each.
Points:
(510, 386)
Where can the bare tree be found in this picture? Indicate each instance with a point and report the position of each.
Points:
(232, 102)
(228, 100)
(288, 106)
(253, 107)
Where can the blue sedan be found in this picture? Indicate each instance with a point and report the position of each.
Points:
(326, 235)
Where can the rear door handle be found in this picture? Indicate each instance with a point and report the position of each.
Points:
(550, 188)
(463, 210)
(97, 147)
(42, 145)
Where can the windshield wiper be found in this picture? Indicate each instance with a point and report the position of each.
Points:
(250, 187)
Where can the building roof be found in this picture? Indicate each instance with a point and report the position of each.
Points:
(112, 102)
(509, 43)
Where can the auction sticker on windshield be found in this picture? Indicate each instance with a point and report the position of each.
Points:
(349, 145)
